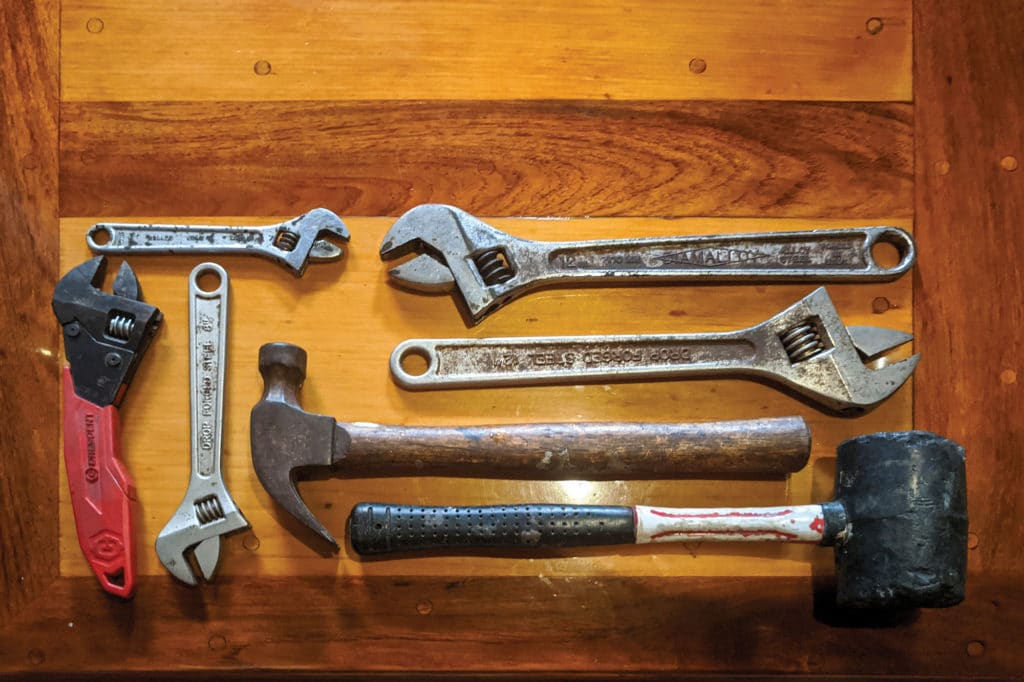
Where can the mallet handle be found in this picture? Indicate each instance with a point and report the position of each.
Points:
(774, 446)
(376, 528)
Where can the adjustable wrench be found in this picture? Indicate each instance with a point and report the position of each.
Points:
(207, 512)
(292, 243)
(105, 338)
(805, 348)
(489, 268)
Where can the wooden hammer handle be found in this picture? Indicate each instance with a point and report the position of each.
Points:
(776, 447)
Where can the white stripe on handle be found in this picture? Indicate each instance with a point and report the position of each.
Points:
(804, 523)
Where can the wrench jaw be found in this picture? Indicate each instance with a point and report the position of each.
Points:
(196, 529)
(106, 335)
(303, 240)
(816, 355)
(458, 253)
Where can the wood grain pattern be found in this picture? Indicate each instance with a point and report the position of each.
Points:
(28, 332)
(505, 158)
(539, 626)
(970, 203)
(593, 615)
(349, 318)
(485, 49)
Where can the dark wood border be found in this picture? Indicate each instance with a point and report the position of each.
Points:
(28, 337)
(968, 114)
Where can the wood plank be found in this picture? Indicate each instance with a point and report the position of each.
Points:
(349, 318)
(970, 291)
(486, 49)
(598, 626)
(28, 331)
(510, 158)
(970, 203)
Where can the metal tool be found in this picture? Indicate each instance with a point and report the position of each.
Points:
(293, 243)
(287, 441)
(489, 268)
(207, 512)
(105, 339)
(898, 523)
(805, 348)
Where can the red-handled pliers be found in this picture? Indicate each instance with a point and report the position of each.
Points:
(105, 337)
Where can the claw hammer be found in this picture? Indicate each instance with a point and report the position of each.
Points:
(287, 441)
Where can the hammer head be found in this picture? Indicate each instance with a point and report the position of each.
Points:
(284, 438)
(905, 542)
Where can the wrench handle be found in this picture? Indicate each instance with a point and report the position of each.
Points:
(101, 490)
(836, 255)
(208, 326)
(383, 528)
(130, 238)
(459, 363)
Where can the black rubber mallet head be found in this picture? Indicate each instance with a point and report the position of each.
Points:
(898, 523)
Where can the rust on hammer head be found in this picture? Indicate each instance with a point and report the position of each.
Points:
(284, 438)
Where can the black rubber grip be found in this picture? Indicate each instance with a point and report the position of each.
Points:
(376, 528)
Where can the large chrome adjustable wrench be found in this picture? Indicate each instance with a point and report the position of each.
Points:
(488, 268)
(293, 243)
(806, 348)
(207, 512)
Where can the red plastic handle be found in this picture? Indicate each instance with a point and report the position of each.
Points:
(101, 490)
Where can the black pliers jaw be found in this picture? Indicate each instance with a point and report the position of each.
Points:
(105, 335)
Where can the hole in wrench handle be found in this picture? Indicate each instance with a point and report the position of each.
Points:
(901, 241)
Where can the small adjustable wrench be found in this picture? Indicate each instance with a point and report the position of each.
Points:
(292, 243)
(806, 348)
(489, 268)
(207, 512)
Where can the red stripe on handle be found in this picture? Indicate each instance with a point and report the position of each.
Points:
(776, 534)
(101, 490)
(736, 514)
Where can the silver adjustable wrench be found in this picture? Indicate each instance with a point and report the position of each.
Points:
(805, 348)
(293, 243)
(488, 268)
(207, 512)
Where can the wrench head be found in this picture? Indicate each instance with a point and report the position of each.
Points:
(302, 240)
(457, 253)
(817, 355)
(196, 529)
(106, 335)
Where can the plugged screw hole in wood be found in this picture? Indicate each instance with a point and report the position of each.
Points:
(217, 642)
(874, 26)
(251, 542)
(36, 656)
(261, 68)
(1008, 163)
(94, 25)
(975, 648)
(941, 167)
(698, 65)
(1008, 376)
(424, 607)
(880, 305)
(972, 541)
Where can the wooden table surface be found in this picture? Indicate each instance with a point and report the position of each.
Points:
(605, 119)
